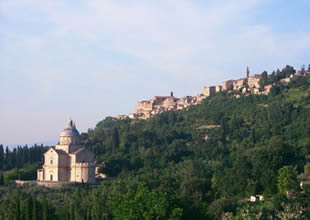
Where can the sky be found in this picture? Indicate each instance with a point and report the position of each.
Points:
(89, 59)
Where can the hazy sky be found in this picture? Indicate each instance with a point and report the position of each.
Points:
(89, 59)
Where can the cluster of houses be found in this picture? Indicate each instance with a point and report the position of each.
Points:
(158, 104)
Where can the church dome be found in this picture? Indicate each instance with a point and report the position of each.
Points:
(70, 131)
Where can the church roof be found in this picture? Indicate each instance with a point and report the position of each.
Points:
(56, 150)
(60, 151)
(78, 150)
(70, 130)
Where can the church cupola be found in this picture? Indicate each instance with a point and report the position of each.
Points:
(70, 135)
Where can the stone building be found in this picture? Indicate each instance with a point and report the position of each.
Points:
(227, 84)
(148, 108)
(208, 91)
(240, 83)
(253, 81)
(68, 161)
(218, 88)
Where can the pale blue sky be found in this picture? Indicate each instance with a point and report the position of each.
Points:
(89, 59)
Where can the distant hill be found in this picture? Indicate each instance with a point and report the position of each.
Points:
(244, 139)
(205, 161)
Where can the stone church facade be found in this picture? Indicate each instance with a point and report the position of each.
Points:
(68, 161)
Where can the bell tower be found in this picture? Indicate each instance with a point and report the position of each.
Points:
(247, 72)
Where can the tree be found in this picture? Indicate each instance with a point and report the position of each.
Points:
(34, 210)
(115, 138)
(303, 69)
(44, 209)
(264, 80)
(287, 179)
(1, 179)
(72, 212)
(288, 70)
(29, 204)
(17, 209)
(1, 157)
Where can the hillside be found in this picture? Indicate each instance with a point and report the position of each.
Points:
(198, 163)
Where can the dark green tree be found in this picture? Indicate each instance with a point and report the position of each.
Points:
(72, 212)
(17, 210)
(1, 157)
(1, 179)
(303, 69)
(29, 204)
(35, 210)
(288, 70)
(44, 209)
(264, 80)
(115, 138)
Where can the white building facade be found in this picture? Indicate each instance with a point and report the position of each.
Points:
(68, 161)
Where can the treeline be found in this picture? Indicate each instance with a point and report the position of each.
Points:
(20, 156)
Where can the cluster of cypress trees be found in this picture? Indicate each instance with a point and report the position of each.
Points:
(19, 157)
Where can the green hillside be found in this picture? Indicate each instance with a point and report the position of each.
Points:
(201, 162)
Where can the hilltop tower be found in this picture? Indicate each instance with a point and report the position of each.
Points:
(247, 72)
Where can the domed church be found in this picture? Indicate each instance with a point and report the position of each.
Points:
(68, 161)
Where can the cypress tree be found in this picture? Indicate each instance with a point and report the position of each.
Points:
(88, 217)
(1, 157)
(34, 210)
(1, 179)
(115, 138)
(29, 208)
(17, 210)
(72, 213)
(7, 158)
(44, 209)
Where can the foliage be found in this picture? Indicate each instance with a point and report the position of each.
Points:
(144, 204)
(287, 179)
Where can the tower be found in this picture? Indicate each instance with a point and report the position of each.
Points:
(247, 72)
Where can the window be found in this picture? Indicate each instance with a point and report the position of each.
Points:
(51, 177)
(51, 161)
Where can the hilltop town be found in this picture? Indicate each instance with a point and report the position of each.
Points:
(248, 85)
